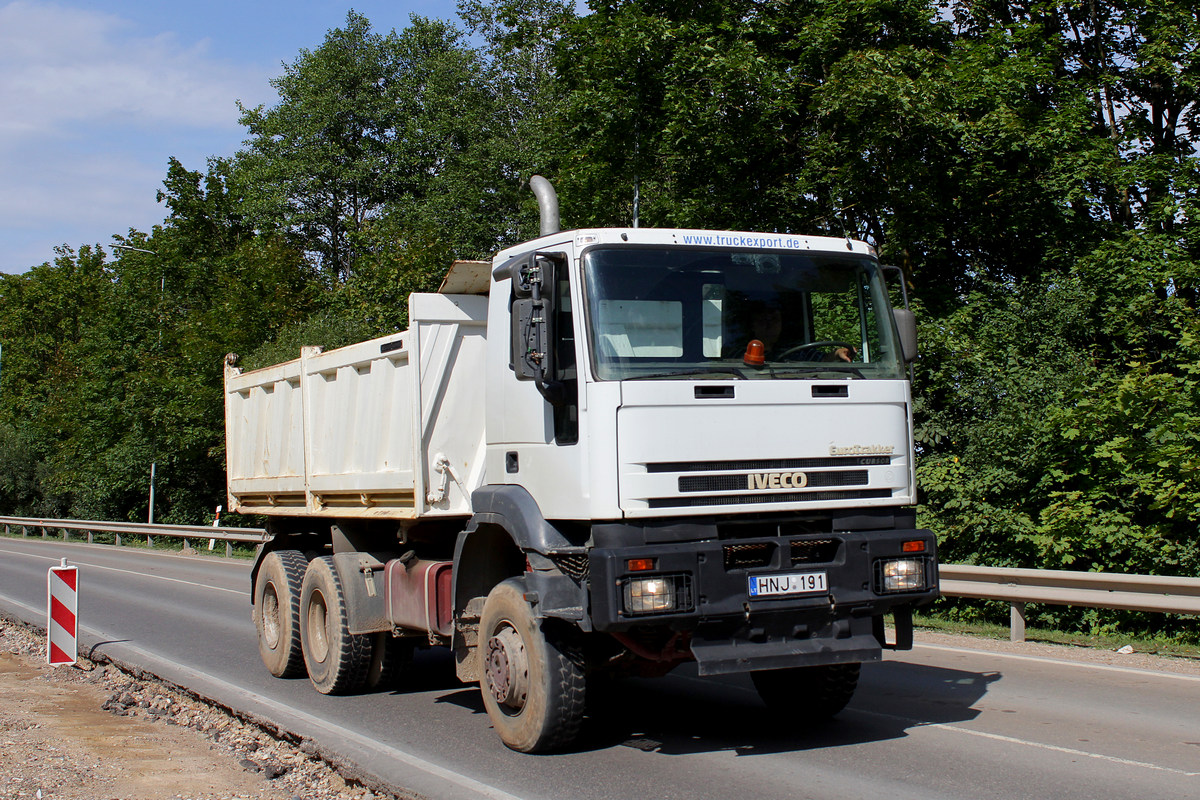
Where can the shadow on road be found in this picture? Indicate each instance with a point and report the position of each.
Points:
(685, 714)
(92, 655)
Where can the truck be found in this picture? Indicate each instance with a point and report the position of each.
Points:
(604, 453)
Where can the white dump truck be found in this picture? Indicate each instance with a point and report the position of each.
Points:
(605, 452)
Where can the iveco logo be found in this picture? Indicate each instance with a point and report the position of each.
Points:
(776, 480)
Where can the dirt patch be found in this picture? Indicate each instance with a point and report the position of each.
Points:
(93, 731)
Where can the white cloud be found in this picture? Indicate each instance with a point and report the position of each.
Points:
(59, 65)
(90, 112)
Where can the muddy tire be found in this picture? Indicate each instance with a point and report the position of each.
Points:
(277, 612)
(391, 658)
(533, 683)
(808, 694)
(337, 660)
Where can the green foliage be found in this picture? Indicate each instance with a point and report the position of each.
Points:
(1031, 166)
(324, 329)
(412, 126)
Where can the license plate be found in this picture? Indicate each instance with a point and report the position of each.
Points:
(782, 585)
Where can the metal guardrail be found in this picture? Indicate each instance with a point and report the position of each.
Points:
(139, 529)
(1015, 586)
(1154, 593)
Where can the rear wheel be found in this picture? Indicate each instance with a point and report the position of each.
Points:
(337, 660)
(533, 679)
(277, 612)
(808, 694)
(391, 657)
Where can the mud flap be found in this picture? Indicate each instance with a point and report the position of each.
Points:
(903, 624)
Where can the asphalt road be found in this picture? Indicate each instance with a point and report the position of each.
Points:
(938, 722)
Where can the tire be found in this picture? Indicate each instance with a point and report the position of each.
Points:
(808, 694)
(277, 612)
(391, 657)
(337, 660)
(533, 681)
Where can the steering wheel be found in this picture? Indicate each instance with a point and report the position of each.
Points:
(812, 346)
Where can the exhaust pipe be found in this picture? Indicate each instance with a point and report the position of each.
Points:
(547, 204)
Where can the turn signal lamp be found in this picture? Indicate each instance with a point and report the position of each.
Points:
(639, 564)
(756, 354)
(913, 547)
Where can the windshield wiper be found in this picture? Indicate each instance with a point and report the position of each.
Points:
(839, 372)
(734, 371)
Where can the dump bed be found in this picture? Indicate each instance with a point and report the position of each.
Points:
(388, 428)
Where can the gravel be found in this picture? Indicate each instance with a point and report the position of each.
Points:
(94, 731)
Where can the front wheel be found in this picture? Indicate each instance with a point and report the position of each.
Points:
(808, 694)
(533, 679)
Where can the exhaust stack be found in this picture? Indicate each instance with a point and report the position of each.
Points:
(547, 204)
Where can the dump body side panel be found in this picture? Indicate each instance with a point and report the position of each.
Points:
(389, 428)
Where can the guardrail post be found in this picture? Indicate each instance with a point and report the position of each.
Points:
(66, 535)
(45, 532)
(1016, 622)
(149, 541)
(89, 533)
(24, 532)
(228, 549)
(116, 540)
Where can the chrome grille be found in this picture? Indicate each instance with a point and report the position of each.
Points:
(769, 464)
(573, 565)
(814, 551)
(748, 556)
(765, 497)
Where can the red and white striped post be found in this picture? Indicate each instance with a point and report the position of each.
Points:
(63, 602)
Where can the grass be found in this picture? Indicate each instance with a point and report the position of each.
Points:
(1097, 641)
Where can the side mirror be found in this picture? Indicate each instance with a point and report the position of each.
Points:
(906, 326)
(524, 274)
(532, 311)
(531, 339)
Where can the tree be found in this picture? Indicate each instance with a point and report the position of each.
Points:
(854, 118)
(367, 125)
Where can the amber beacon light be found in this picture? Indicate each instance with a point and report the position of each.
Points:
(756, 354)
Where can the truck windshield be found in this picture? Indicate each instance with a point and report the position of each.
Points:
(688, 313)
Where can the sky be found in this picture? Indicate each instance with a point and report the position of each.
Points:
(95, 97)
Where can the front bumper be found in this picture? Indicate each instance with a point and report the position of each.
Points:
(731, 631)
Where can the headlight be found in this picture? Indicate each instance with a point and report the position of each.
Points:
(657, 594)
(900, 575)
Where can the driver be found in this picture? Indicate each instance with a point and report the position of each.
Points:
(766, 325)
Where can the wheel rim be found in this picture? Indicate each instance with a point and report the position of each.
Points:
(507, 669)
(318, 635)
(270, 616)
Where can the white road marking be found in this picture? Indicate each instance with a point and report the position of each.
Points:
(75, 563)
(1026, 742)
(1059, 662)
